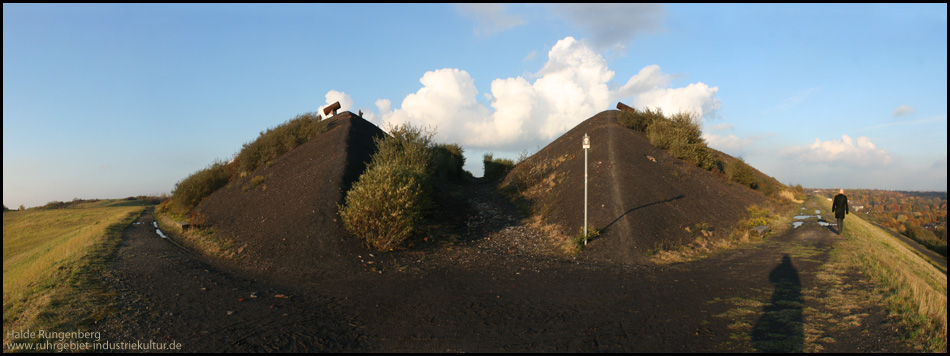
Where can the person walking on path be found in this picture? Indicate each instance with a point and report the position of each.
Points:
(840, 208)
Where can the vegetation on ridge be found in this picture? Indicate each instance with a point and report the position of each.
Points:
(914, 291)
(681, 136)
(267, 147)
(496, 167)
(389, 202)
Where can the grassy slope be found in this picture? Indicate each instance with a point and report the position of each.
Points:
(50, 260)
(913, 288)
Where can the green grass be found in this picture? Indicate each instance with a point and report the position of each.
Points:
(866, 268)
(775, 214)
(913, 289)
(51, 262)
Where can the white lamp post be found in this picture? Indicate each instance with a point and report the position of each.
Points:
(586, 148)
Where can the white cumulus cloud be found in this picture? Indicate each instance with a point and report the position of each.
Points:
(697, 98)
(650, 89)
(730, 144)
(446, 101)
(522, 113)
(846, 151)
(346, 103)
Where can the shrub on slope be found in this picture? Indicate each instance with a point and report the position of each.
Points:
(388, 202)
(278, 140)
(268, 146)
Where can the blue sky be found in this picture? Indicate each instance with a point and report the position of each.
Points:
(111, 100)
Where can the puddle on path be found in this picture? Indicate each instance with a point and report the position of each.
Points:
(807, 218)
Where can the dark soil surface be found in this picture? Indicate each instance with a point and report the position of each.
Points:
(495, 290)
(640, 197)
(287, 227)
(483, 281)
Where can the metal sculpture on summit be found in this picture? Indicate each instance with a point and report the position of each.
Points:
(331, 109)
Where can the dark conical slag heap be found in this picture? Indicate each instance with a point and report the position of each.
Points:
(640, 197)
(287, 226)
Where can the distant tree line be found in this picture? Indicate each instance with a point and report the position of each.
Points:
(921, 216)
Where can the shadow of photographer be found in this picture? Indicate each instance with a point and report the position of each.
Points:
(780, 328)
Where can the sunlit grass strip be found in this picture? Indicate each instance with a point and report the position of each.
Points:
(775, 215)
(51, 263)
(203, 240)
(913, 289)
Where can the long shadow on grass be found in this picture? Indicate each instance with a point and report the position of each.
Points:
(780, 328)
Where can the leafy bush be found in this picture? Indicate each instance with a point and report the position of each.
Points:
(757, 216)
(639, 120)
(268, 146)
(189, 191)
(388, 202)
(682, 137)
(279, 140)
(740, 172)
(448, 162)
(496, 167)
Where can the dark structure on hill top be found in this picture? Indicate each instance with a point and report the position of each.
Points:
(624, 107)
(330, 111)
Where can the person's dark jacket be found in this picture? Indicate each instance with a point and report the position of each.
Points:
(840, 206)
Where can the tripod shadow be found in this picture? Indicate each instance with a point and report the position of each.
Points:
(780, 328)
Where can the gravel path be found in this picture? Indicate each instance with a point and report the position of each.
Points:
(497, 291)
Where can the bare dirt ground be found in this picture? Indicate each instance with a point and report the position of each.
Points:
(495, 290)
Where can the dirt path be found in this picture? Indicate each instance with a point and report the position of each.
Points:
(492, 293)
(166, 294)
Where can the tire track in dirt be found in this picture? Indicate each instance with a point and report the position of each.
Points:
(617, 203)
